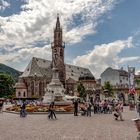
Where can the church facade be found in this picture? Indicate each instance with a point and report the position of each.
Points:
(33, 82)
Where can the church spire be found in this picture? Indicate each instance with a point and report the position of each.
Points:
(57, 23)
(58, 33)
(58, 51)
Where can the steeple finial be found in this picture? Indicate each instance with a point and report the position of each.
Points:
(57, 22)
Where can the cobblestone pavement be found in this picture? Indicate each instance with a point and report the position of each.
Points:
(68, 127)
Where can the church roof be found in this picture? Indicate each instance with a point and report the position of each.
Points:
(75, 72)
(41, 67)
(38, 67)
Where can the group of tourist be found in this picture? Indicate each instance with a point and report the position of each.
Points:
(85, 107)
(104, 106)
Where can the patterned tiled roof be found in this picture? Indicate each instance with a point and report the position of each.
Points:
(75, 72)
(38, 67)
(41, 67)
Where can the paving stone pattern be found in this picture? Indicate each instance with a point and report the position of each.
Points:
(68, 127)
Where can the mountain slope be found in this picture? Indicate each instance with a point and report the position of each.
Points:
(14, 73)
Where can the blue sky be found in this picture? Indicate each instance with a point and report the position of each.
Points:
(98, 33)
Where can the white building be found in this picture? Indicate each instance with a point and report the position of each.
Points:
(116, 77)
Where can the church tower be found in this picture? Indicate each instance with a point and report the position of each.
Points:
(58, 52)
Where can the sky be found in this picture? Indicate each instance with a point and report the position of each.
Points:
(98, 33)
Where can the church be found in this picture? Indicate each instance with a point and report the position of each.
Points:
(33, 82)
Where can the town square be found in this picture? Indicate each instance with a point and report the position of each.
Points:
(67, 127)
(69, 70)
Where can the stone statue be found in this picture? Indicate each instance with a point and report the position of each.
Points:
(54, 60)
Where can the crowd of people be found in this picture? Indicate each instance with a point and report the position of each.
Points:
(98, 107)
(84, 108)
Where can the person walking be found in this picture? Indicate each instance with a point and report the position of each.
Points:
(75, 107)
(118, 109)
(51, 111)
(89, 105)
(23, 110)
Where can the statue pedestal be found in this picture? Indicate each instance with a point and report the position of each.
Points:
(55, 91)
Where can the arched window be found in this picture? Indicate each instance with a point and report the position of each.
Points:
(19, 94)
(32, 88)
(24, 94)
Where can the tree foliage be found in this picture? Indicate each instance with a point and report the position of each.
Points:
(108, 89)
(138, 81)
(6, 85)
(81, 90)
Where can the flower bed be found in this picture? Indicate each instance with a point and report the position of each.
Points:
(41, 108)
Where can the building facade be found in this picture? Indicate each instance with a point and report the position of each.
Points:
(92, 87)
(118, 78)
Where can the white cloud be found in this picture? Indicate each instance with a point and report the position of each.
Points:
(37, 19)
(105, 55)
(26, 53)
(126, 59)
(74, 35)
(4, 4)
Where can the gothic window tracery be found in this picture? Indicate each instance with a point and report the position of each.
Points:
(61, 53)
(40, 88)
(32, 88)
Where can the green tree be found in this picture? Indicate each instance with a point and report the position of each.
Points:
(81, 90)
(138, 84)
(6, 85)
(108, 89)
